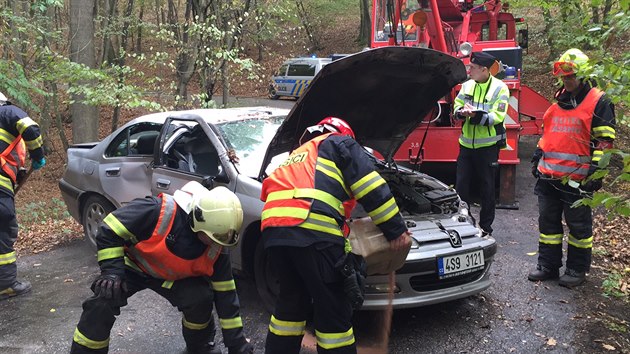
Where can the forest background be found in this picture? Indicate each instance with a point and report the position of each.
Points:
(81, 68)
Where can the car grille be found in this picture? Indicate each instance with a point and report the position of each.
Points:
(431, 282)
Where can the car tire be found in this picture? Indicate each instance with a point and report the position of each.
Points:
(94, 211)
(267, 282)
(273, 94)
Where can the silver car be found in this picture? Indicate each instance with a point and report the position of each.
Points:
(382, 93)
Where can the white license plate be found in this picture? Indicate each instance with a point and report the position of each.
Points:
(282, 88)
(459, 264)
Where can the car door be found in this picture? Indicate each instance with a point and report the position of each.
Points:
(125, 170)
(299, 76)
(186, 153)
(280, 81)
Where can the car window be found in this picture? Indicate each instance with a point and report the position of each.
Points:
(189, 149)
(135, 140)
(282, 71)
(301, 70)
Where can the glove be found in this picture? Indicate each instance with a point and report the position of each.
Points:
(109, 286)
(535, 171)
(535, 158)
(37, 164)
(21, 175)
(593, 185)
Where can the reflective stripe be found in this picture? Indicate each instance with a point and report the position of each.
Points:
(567, 157)
(119, 229)
(24, 123)
(231, 323)
(580, 171)
(6, 183)
(227, 285)
(335, 340)
(604, 132)
(129, 263)
(7, 258)
(109, 253)
(321, 223)
(79, 338)
(35, 143)
(366, 184)
(167, 213)
(194, 326)
(384, 212)
(491, 139)
(286, 328)
(299, 213)
(330, 169)
(312, 193)
(583, 243)
(6, 136)
(167, 284)
(597, 155)
(553, 239)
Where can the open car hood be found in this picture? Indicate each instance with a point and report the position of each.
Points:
(382, 93)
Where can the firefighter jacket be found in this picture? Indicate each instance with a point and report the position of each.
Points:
(487, 127)
(572, 128)
(17, 130)
(153, 235)
(308, 198)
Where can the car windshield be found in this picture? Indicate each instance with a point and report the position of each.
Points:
(250, 139)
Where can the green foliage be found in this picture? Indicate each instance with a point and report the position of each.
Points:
(611, 286)
(41, 213)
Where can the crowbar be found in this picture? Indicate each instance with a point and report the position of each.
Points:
(23, 180)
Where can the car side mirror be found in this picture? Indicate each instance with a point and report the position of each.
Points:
(523, 38)
(222, 177)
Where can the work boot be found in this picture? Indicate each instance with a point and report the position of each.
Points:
(208, 348)
(572, 278)
(543, 273)
(245, 348)
(18, 288)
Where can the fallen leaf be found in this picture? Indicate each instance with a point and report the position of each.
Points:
(53, 310)
(609, 347)
(563, 301)
(551, 342)
(68, 280)
(532, 253)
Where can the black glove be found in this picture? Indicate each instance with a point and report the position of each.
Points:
(109, 286)
(21, 175)
(535, 158)
(535, 171)
(593, 185)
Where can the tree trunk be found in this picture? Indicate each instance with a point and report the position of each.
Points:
(84, 117)
(138, 47)
(58, 121)
(548, 32)
(366, 24)
(187, 55)
(108, 47)
(308, 27)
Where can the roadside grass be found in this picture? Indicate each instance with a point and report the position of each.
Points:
(615, 286)
(41, 212)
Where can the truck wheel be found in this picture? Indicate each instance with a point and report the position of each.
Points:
(94, 211)
(273, 94)
(267, 282)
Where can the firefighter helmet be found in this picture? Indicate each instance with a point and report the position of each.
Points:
(218, 214)
(327, 125)
(571, 62)
(3, 99)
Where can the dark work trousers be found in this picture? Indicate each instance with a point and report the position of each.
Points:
(555, 199)
(192, 296)
(226, 302)
(309, 280)
(8, 235)
(476, 171)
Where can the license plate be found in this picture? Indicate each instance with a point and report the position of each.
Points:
(463, 263)
(282, 88)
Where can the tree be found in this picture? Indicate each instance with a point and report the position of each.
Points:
(366, 24)
(84, 116)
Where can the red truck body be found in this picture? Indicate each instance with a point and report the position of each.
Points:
(459, 28)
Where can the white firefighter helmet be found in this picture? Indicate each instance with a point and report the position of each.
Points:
(3, 99)
(218, 214)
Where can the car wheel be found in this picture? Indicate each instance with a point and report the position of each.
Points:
(94, 211)
(273, 94)
(267, 282)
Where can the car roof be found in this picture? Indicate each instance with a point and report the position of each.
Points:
(216, 115)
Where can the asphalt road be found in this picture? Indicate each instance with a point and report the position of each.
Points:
(513, 316)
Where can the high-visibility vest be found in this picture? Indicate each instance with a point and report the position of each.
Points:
(154, 258)
(11, 160)
(290, 190)
(566, 140)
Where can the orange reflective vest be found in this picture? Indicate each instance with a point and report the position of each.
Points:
(290, 190)
(154, 258)
(566, 140)
(13, 157)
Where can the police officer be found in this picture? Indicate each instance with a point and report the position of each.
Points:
(482, 103)
(576, 130)
(18, 133)
(173, 246)
(307, 200)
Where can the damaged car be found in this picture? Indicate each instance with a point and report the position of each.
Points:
(382, 93)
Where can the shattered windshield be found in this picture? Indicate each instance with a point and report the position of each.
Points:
(250, 139)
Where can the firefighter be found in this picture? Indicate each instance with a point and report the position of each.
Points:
(18, 133)
(482, 103)
(307, 200)
(172, 245)
(576, 130)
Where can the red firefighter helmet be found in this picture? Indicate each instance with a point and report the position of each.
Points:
(327, 125)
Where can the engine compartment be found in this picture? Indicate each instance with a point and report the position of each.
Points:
(417, 193)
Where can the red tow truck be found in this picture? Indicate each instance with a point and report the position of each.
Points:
(457, 28)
